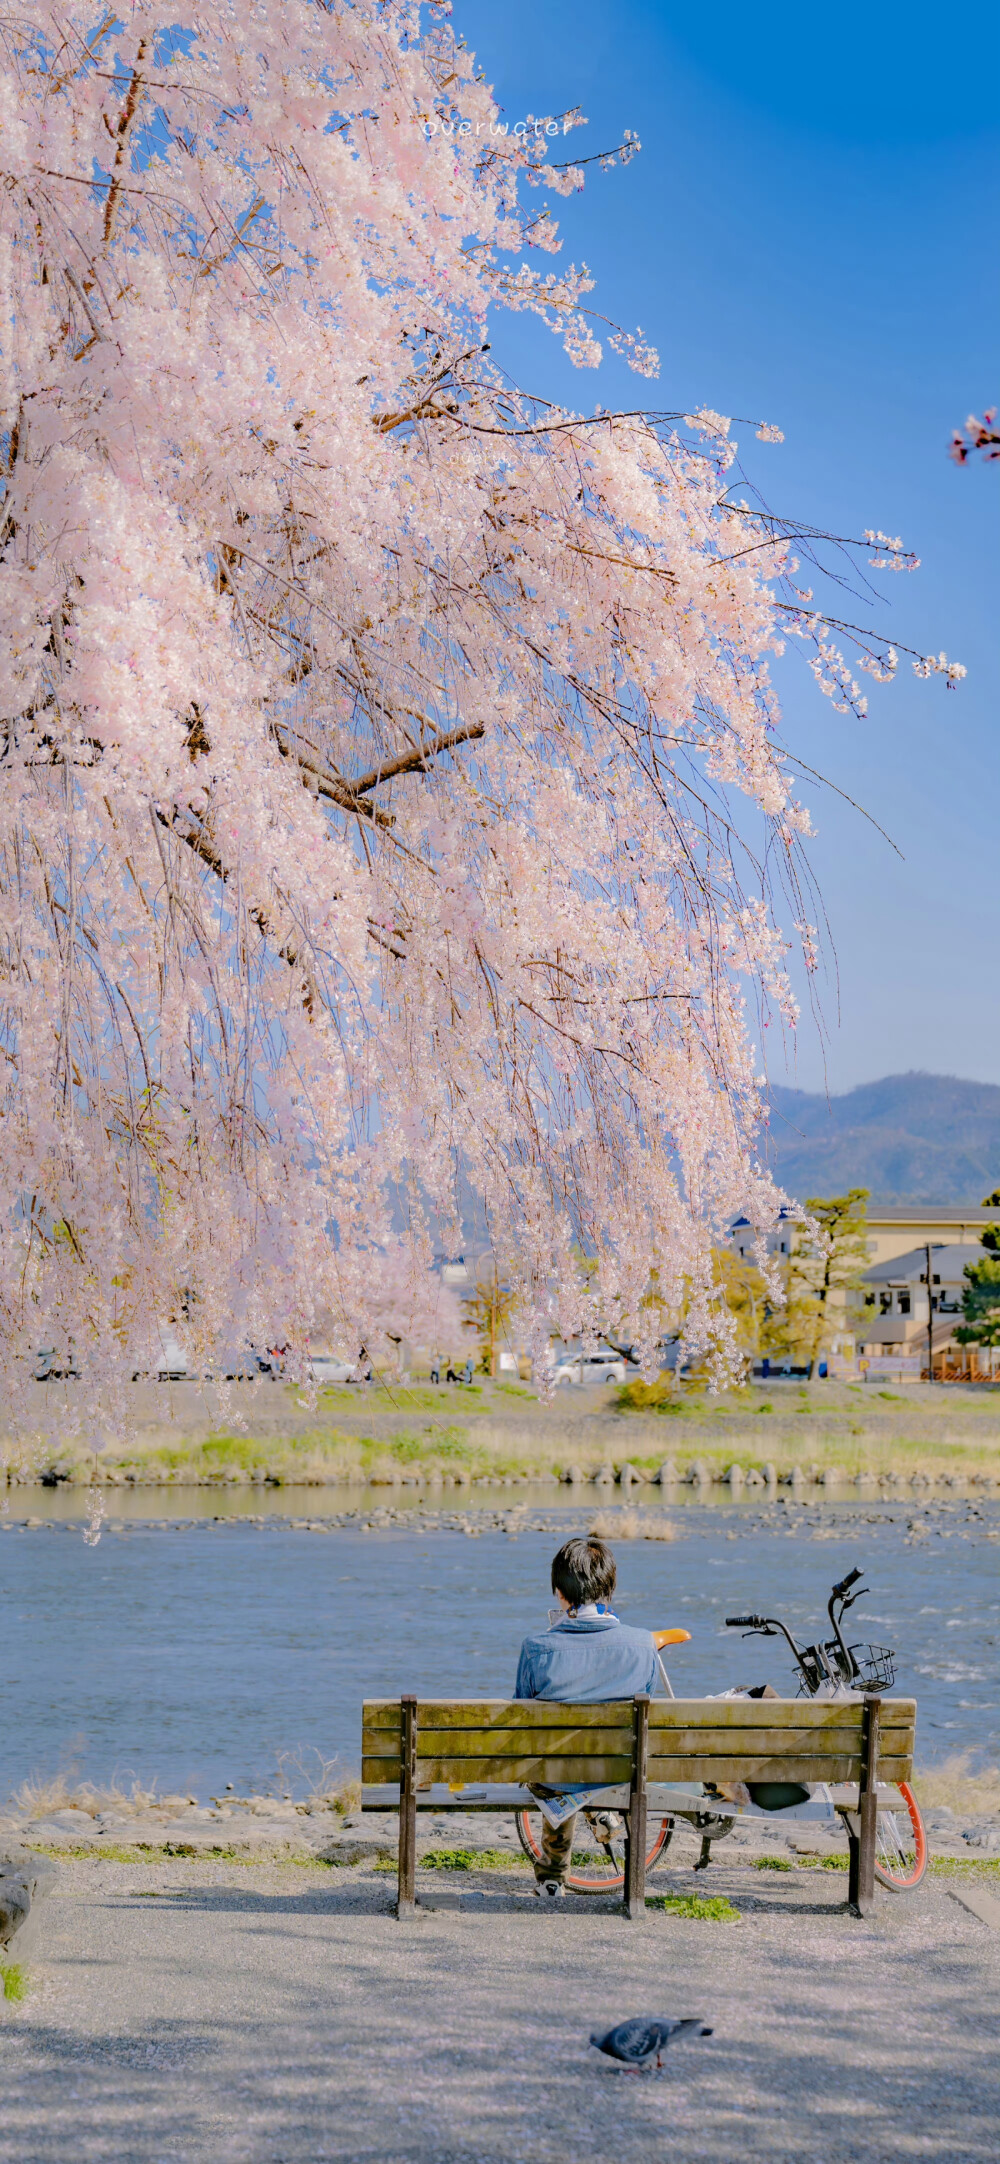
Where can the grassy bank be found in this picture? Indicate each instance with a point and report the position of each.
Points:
(268, 1434)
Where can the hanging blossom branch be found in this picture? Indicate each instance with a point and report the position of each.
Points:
(977, 435)
(375, 739)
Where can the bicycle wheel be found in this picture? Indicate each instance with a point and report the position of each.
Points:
(901, 1845)
(596, 1867)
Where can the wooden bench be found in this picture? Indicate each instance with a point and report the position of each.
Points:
(635, 1752)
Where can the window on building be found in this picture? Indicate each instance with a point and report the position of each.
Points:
(904, 1303)
(885, 1303)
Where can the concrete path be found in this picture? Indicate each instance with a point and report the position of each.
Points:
(190, 2012)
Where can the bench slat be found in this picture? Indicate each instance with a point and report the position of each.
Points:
(812, 1713)
(680, 1742)
(436, 1740)
(486, 1713)
(506, 1714)
(779, 1766)
(455, 1772)
(595, 1772)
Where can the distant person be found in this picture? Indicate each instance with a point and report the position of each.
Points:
(587, 1656)
(436, 1368)
(467, 1372)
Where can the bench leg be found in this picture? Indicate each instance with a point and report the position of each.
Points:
(635, 1838)
(406, 1894)
(861, 1879)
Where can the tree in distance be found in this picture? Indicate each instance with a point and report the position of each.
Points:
(981, 1298)
(827, 1263)
(489, 1311)
(384, 751)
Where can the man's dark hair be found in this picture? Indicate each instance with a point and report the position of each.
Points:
(584, 1570)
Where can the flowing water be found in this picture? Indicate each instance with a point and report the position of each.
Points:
(198, 1649)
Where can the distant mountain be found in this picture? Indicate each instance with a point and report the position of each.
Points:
(923, 1138)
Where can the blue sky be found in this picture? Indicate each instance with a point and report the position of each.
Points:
(809, 236)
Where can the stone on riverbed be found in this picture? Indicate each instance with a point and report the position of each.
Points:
(24, 1877)
(15, 1904)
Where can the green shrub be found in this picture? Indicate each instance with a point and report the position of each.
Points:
(238, 1451)
(663, 1396)
(771, 1863)
(15, 1983)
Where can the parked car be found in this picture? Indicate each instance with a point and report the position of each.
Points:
(169, 1362)
(54, 1367)
(328, 1368)
(586, 1369)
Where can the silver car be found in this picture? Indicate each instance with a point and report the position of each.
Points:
(589, 1368)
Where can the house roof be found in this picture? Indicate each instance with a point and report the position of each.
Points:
(948, 1262)
(783, 1213)
(929, 1213)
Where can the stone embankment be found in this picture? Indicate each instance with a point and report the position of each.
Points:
(737, 1478)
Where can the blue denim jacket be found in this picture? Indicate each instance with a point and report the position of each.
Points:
(586, 1659)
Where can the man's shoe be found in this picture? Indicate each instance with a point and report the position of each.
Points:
(550, 1889)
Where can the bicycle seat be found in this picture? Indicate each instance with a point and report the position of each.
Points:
(669, 1638)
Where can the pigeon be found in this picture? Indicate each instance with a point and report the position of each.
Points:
(644, 2038)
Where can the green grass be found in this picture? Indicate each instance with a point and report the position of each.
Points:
(142, 1852)
(15, 1983)
(472, 1859)
(342, 1862)
(707, 1908)
(772, 1863)
(965, 1867)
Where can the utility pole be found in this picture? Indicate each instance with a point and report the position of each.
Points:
(930, 1318)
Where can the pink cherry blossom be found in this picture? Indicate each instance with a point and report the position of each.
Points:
(375, 738)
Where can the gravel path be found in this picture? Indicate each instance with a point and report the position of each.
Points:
(191, 2012)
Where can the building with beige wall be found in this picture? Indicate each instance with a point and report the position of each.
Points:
(898, 1230)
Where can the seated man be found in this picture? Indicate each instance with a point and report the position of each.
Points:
(587, 1657)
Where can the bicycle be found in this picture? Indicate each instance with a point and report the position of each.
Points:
(826, 1670)
(833, 1669)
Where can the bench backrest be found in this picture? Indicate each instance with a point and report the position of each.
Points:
(461, 1741)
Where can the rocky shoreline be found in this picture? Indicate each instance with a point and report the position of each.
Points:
(326, 1830)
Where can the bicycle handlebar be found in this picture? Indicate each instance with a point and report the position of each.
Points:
(846, 1583)
(746, 1622)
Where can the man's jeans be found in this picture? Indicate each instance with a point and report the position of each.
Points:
(557, 1849)
(557, 1841)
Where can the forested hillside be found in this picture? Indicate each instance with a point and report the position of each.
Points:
(910, 1138)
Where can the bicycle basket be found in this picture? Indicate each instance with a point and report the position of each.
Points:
(876, 1671)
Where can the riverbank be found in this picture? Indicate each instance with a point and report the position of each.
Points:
(270, 1435)
(193, 2010)
(71, 1820)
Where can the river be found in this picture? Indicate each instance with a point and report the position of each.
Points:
(197, 1648)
